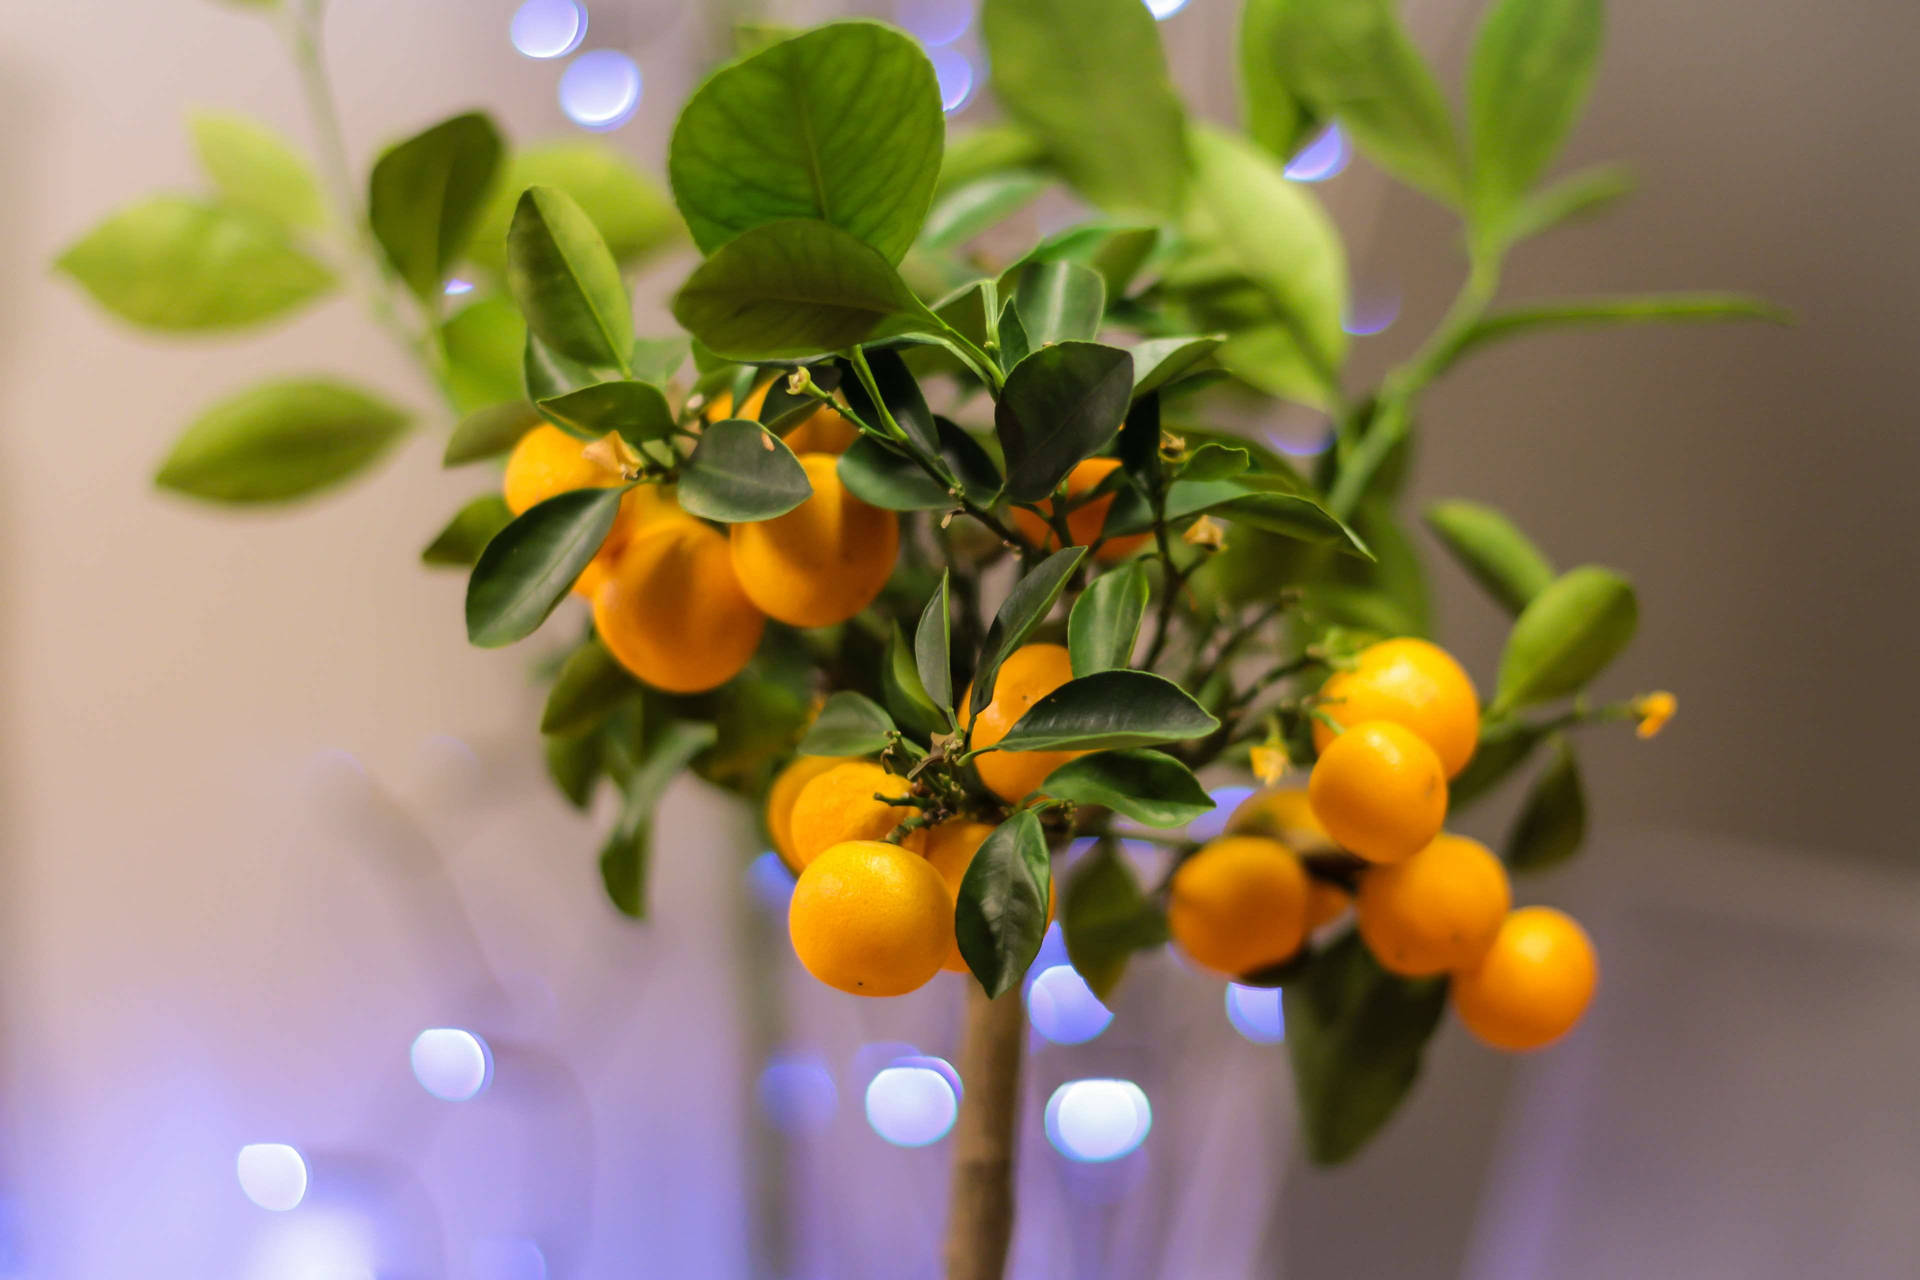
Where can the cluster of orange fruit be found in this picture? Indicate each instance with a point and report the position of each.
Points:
(1428, 902)
(682, 605)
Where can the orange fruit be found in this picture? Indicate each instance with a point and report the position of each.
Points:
(672, 611)
(1533, 983)
(1379, 791)
(720, 404)
(781, 795)
(839, 805)
(1283, 813)
(548, 462)
(826, 430)
(871, 919)
(823, 561)
(1413, 683)
(1029, 674)
(1239, 905)
(949, 848)
(1437, 911)
(642, 505)
(1326, 902)
(1084, 522)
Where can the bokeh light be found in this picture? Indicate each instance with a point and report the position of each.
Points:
(322, 1243)
(451, 1064)
(1320, 159)
(1212, 823)
(934, 22)
(548, 28)
(1164, 9)
(507, 1258)
(1370, 315)
(955, 73)
(273, 1175)
(1255, 1013)
(601, 90)
(770, 881)
(1063, 1008)
(1098, 1120)
(912, 1103)
(456, 286)
(797, 1093)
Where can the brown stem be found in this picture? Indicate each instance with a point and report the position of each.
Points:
(980, 1205)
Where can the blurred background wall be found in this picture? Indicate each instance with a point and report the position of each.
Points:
(264, 816)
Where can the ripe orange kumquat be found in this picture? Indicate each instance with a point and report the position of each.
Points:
(1533, 983)
(839, 805)
(1239, 905)
(1084, 522)
(1439, 910)
(823, 561)
(1029, 674)
(871, 918)
(1379, 791)
(1413, 683)
(672, 611)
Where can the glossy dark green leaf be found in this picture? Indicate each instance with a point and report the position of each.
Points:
(1025, 608)
(1012, 336)
(637, 410)
(1060, 300)
(1105, 620)
(1504, 746)
(1161, 362)
(789, 290)
(590, 684)
(1110, 710)
(623, 859)
(1532, 66)
(1105, 919)
(899, 393)
(1553, 821)
(1088, 78)
(741, 471)
(575, 762)
(1579, 196)
(973, 207)
(426, 194)
(1356, 1035)
(1001, 912)
(1211, 462)
(466, 535)
(933, 645)
(912, 707)
(1264, 500)
(281, 440)
(567, 282)
(484, 344)
(488, 433)
(547, 375)
(181, 265)
(1566, 637)
(629, 207)
(1060, 405)
(849, 725)
(256, 169)
(528, 567)
(841, 124)
(1274, 115)
(1487, 545)
(882, 475)
(1572, 313)
(1151, 787)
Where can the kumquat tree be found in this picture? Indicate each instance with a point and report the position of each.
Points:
(946, 562)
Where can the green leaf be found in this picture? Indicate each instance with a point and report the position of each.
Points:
(1105, 919)
(1160, 362)
(758, 721)
(1278, 235)
(488, 433)
(1060, 405)
(1275, 116)
(886, 477)
(1513, 322)
(1150, 787)
(901, 395)
(1060, 300)
(623, 859)
(281, 440)
(1012, 334)
(575, 762)
(459, 544)
(1213, 462)
(1088, 78)
(1001, 912)
(1579, 196)
(566, 281)
(1025, 608)
(548, 375)
(1352, 59)
(1489, 547)
(628, 207)
(1553, 821)
(1356, 1035)
(528, 567)
(483, 343)
(637, 410)
(1109, 710)
(656, 360)
(1115, 249)
(1504, 746)
(184, 265)
(1105, 620)
(790, 290)
(842, 124)
(913, 709)
(425, 197)
(1263, 500)
(849, 725)
(960, 215)
(1565, 637)
(254, 168)
(984, 149)
(590, 684)
(741, 471)
(1532, 67)
(933, 645)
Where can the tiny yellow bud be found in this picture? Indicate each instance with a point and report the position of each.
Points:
(1269, 764)
(1654, 709)
(1206, 532)
(798, 381)
(614, 453)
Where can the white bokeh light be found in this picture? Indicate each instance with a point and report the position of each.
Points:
(1093, 1121)
(955, 74)
(1063, 1008)
(548, 28)
(601, 89)
(797, 1093)
(451, 1064)
(273, 1175)
(934, 22)
(1255, 1013)
(912, 1103)
(1320, 159)
(1164, 9)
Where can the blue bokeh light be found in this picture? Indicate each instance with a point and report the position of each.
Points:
(1256, 1013)
(1368, 316)
(1164, 9)
(507, 1258)
(273, 1175)
(601, 90)
(912, 1103)
(548, 28)
(797, 1093)
(1225, 800)
(456, 286)
(1325, 157)
(955, 73)
(1092, 1121)
(451, 1064)
(1063, 1008)
(934, 22)
(770, 881)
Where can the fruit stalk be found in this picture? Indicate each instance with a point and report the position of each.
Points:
(980, 1204)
